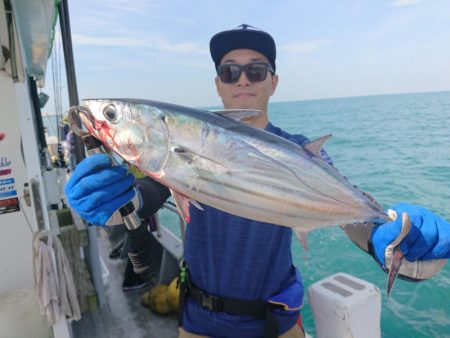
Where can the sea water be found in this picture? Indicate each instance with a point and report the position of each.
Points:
(397, 148)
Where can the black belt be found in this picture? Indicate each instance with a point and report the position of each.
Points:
(240, 307)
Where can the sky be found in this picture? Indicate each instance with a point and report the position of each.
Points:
(159, 50)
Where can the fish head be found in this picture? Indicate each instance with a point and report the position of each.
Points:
(116, 124)
(131, 130)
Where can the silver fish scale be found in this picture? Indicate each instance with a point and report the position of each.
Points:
(231, 166)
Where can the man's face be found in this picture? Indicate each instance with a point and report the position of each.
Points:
(244, 94)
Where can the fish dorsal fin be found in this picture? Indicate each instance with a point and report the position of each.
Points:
(182, 203)
(316, 145)
(238, 114)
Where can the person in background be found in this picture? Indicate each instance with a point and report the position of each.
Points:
(131, 280)
(118, 236)
(64, 128)
(241, 280)
(70, 139)
(63, 144)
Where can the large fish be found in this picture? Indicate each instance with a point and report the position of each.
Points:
(212, 158)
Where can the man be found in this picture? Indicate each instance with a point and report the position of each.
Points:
(240, 278)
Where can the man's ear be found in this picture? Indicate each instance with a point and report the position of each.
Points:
(274, 82)
(217, 81)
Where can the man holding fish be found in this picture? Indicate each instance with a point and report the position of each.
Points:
(239, 278)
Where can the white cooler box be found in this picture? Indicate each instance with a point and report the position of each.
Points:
(345, 306)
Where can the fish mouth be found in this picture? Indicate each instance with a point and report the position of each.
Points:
(81, 115)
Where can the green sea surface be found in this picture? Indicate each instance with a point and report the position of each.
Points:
(397, 148)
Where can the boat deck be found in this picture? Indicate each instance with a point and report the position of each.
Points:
(123, 315)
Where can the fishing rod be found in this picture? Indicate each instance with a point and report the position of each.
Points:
(139, 236)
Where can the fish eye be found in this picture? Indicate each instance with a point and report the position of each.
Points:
(110, 113)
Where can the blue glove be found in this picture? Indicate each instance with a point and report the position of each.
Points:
(428, 239)
(96, 189)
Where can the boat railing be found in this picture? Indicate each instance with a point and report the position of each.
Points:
(169, 205)
(171, 245)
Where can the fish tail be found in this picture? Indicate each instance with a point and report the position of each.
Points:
(394, 268)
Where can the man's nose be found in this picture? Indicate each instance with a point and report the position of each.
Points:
(243, 80)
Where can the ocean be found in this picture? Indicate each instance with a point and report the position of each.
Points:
(397, 148)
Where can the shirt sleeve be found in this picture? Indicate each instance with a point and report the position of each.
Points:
(153, 195)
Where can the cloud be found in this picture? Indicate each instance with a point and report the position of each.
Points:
(135, 6)
(404, 21)
(158, 44)
(304, 47)
(402, 3)
(81, 39)
(122, 12)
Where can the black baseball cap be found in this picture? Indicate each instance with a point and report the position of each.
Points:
(243, 37)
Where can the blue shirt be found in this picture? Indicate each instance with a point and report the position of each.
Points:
(235, 257)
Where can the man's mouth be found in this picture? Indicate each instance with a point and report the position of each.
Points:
(243, 95)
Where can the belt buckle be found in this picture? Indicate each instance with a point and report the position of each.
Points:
(212, 303)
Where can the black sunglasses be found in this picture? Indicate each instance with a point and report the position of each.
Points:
(255, 71)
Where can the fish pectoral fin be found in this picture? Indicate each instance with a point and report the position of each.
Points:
(238, 114)
(316, 145)
(185, 154)
(189, 157)
(258, 163)
(182, 203)
(302, 236)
